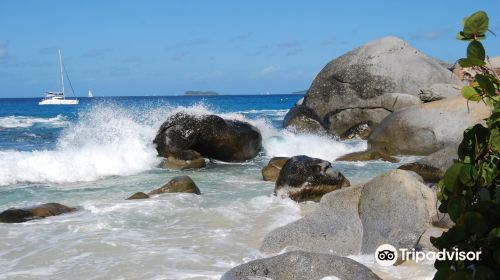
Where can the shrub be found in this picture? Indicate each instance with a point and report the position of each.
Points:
(470, 189)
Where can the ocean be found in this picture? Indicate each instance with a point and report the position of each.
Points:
(98, 153)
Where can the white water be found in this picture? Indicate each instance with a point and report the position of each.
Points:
(106, 141)
(25, 122)
(172, 236)
(109, 140)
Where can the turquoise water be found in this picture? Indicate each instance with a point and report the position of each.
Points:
(98, 153)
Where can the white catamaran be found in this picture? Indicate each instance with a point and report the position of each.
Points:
(55, 97)
(90, 93)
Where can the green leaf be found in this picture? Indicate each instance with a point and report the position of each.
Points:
(484, 194)
(456, 206)
(495, 140)
(494, 233)
(476, 24)
(485, 83)
(470, 93)
(461, 36)
(450, 177)
(470, 62)
(468, 175)
(475, 50)
(475, 223)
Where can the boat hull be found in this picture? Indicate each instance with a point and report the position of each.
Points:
(59, 102)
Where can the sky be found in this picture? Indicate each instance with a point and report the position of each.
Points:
(123, 48)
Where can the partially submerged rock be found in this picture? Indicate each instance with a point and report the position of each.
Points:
(138, 195)
(187, 159)
(394, 208)
(179, 184)
(20, 215)
(366, 155)
(302, 119)
(300, 265)
(426, 128)
(303, 178)
(209, 135)
(271, 171)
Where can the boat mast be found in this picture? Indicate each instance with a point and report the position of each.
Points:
(62, 76)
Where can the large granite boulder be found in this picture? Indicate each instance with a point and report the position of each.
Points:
(209, 135)
(271, 171)
(394, 208)
(303, 178)
(433, 166)
(383, 66)
(299, 265)
(20, 215)
(426, 128)
(366, 84)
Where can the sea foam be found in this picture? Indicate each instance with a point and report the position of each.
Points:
(26, 121)
(107, 140)
(112, 140)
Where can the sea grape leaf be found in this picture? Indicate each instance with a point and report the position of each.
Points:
(470, 93)
(450, 177)
(476, 24)
(470, 62)
(476, 50)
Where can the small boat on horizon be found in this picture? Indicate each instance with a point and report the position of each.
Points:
(58, 97)
(90, 94)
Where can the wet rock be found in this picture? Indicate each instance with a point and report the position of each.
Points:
(180, 184)
(138, 195)
(300, 265)
(271, 171)
(303, 178)
(187, 159)
(302, 119)
(426, 128)
(394, 208)
(20, 215)
(209, 135)
(366, 156)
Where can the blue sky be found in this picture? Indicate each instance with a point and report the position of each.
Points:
(233, 47)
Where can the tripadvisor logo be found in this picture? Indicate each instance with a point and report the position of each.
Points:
(387, 255)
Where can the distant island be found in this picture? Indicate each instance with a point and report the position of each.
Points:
(300, 92)
(200, 93)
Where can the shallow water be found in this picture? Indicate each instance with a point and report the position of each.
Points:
(97, 154)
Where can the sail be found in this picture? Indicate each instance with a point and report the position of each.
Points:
(90, 93)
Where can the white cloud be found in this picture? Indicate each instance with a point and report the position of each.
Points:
(268, 70)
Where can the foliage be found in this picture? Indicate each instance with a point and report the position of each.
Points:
(470, 189)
